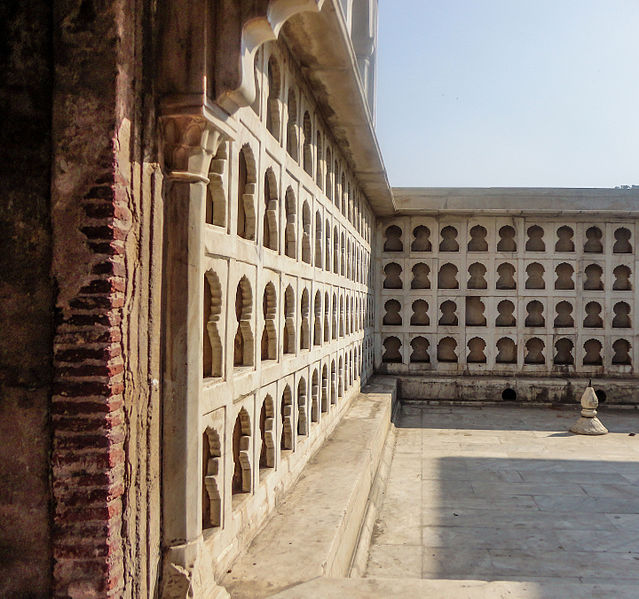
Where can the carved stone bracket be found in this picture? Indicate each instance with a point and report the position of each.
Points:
(235, 85)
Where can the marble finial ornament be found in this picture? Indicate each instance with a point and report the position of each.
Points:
(588, 423)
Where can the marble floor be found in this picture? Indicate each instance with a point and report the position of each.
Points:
(507, 494)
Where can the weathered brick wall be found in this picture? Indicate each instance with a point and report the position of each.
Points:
(26, 304)
(105, 431)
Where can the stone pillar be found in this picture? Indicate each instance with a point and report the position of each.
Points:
(189, 143)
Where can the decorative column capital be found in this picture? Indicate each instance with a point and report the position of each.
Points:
(188, 143)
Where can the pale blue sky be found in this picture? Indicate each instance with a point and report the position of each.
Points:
(509, 92)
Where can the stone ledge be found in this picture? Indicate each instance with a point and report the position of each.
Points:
(314, 531)
(465, 389)
(406, 588)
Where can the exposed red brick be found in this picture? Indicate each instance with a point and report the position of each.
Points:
(86, 353)
(111, 231)
(112, 248)
(105, 319)
(81, 497)
(85, 405)
(109, 267)
(97, 302)
(72, 388)
(72, 423)
(74, 517)
(104, 192)
(92, 370)
(104, 286)
(79, 551)
(106, 210)
(87, 528)
(63, 440)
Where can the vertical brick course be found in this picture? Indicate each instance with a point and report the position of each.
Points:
(88, 415)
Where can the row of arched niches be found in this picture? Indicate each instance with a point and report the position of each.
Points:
(507, 237)
(531, 353)
(507, 294)
(504, 276)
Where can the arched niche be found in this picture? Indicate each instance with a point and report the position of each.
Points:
(392, 276)
(592, 318)
(241, 443)
(393, 239)
(475, 316)
(477, 276)
(393, 315)
(419, 355)
(447, 277)
(507, 239)
(593, 243)
(421, 273)
(421, 239)
(448, 311)
(477, 242)
(535, 242)
(505, 314)
(476, 351)
(534, 352)
(506, 351)
(565, 241)
(622, 243)
(392, 353)
(563, 318)
(449, 241)
(563, 352)
(420, 314)
(594, 278)
(246, 190)
(592, 353)
(506, 276)
(447, 350)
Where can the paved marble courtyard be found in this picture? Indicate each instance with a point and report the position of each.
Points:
(507, 494)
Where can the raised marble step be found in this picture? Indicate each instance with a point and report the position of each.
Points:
(314, 531)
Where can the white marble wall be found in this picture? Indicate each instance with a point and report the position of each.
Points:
(615, 297)
(317, 263)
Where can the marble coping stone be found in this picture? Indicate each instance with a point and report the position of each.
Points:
(516, 200)
(314, 531)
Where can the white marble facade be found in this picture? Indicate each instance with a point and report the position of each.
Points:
(288, 304)
(504, 294)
